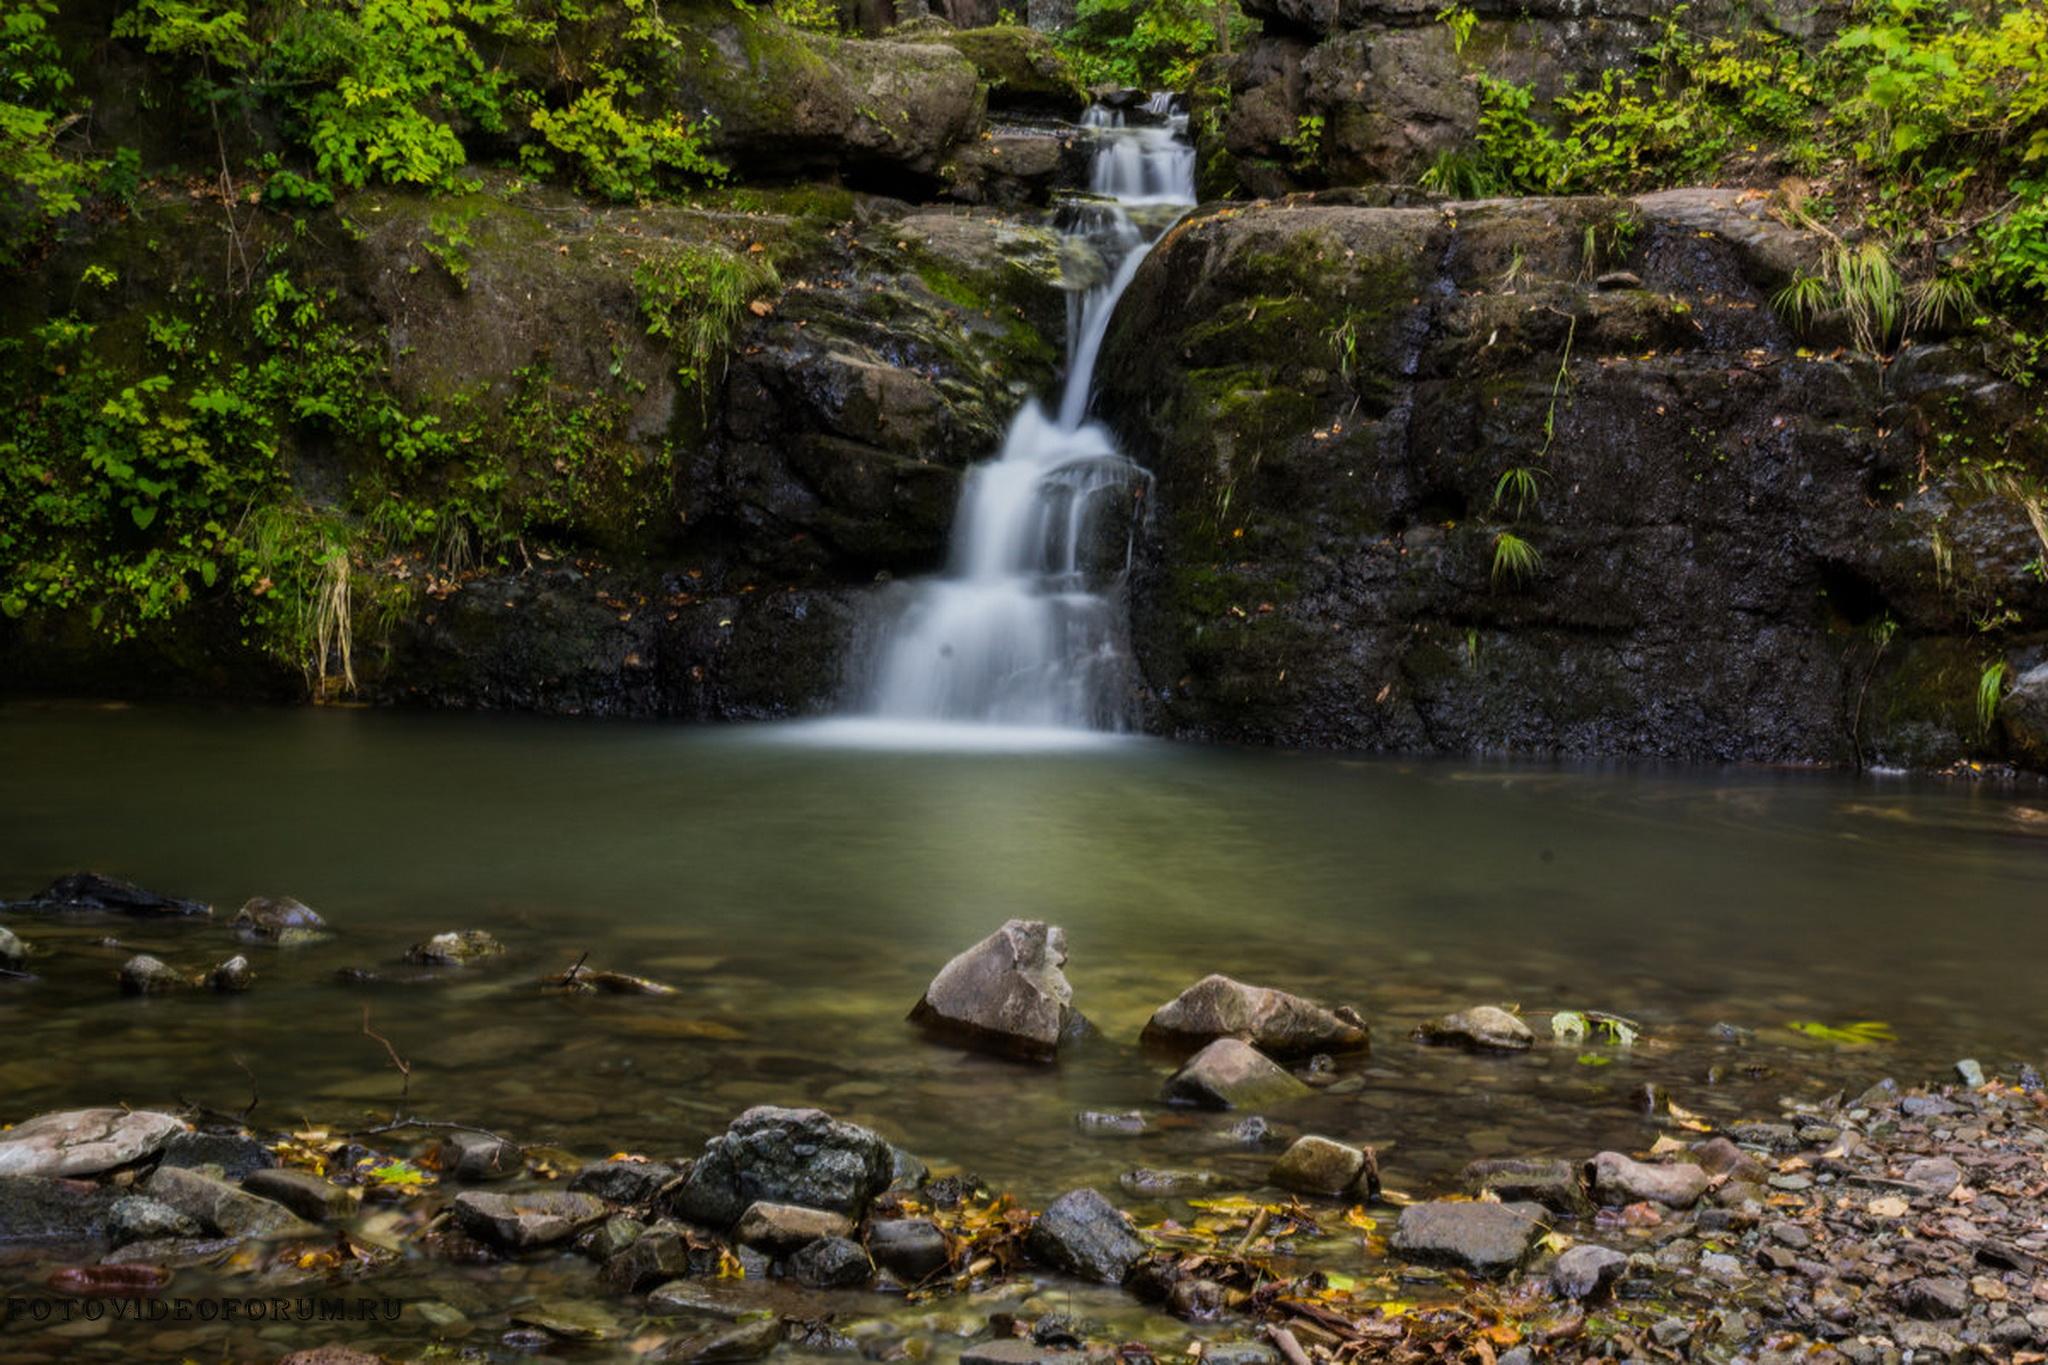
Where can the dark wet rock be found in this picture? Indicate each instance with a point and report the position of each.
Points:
(749, 1340)
(231, 1155)
(527, 1219)
(949, 1191)
(1585, 1270)
(138, 1218)
(782, 1228)
(1148, 1182)
(1483, 1028)
(1934, 1296)
(1780, 1138)
(786, 1156)
(232, 976)
(304, 1193)
(278, 919)
(1006, 993)
(223, 1208)
(1095, 1123)
(1487, 1239)
(1278, 1024)
(911, 1249)
(1084, 1235)
(146, 975)
(455, 949)
(86, 891)
(656, 1258)
(1228, 1074)
(470, 1157)
(1552, 1182)
(37, 1209)
(831, 1263)
(610, 1237)
(1617, 1179)
(78, 1142)
(621, 1181)
(907, 1170)
(1320, 1165)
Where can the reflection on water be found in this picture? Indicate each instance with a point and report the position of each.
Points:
(800, 894)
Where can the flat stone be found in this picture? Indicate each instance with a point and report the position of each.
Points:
(84, 1141)
(622, 1182)
(1483, 1028)
(1273, 1021)
(568, 1320)
(1320, 1165)
(831, 1263)
(911, 1249)
(1780, 1138)
(471, 1158)
(782, 1228)
(1552, 1182)
(1018, 1351)
(1487, 1239)
(521, 1221)
(1228, 1074)
(331, 1355)
(231, 1155)
(786, 1156)
(742, 1341)
(223, 1208)
(1618, 1179)
(1084, 1235)
(1583, 1271)
(302, 1192)
(1006, 994)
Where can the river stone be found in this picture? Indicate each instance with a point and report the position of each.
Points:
(36, 1209)
(610, 1237)
(302, 1192)
(911, 1249)
(1584, 1270)
(1319, 1165)
(526, 1219)
(1273, 1021)
(748, 1340)
(221, 1207)
(457, 948)
(1019, 1351)
(1552, 1182)
(139, 1218)
(146, 975)
(1934, 1296)
(1933, 1175)
(1229, 1074)
(1006, 993)
(1149, 1182)
(1618, 1179)
(91, 891)
(622, 1181)
(786, 1156)
(1085, 1235)
(471, 1157)
(1483, 1028)
(278, 919)
(831, 1263)
(654, 1258)
(782, 1228)
(1780, 1138)
(84, 1141)
(1095, 1123)
(230, 1155)
(13, 952)
(231, 976)
(1488, 1239)
(331, 1355)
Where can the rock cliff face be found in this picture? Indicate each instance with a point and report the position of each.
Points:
(1737, 550)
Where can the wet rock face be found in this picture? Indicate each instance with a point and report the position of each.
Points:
(1487, 1239)
(1329, 394)
(1084, 1235)
(1279, 1024)
(81, 1142)
(786, 1156)
(1006, 994)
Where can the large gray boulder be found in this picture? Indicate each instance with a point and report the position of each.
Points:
(1006, 994)
(1229, 1074)
(786, 1156)
(1085, 1235)
(84, 1141)
(1273, 1021)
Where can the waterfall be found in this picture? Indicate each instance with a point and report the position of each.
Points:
(1024, 628)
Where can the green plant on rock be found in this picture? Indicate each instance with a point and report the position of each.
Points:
(1460, 20)
(1990, 692)
(1150, 44)
(620, 155)
(695, 295)
(1514, 559)
(1305, 143)
(39, 182)
(1517, 490)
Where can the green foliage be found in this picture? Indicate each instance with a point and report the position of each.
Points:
(1150, 44)
(1859, 1034)
(1516, 489)
(694, 296)
(1305, 143)
(619, 155)
(39, 183)
(1990, 692)
(1460, 20)
(818, 16)
(1514, 558)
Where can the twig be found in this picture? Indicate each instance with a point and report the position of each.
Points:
(404, 1067)
(1251, 1234)
(255, 1092)
(1288, 1346)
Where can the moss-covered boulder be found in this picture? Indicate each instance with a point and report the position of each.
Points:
(1021, 66)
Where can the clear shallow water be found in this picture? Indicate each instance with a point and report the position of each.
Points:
(800, 885)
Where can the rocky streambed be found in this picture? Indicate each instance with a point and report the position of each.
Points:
(1870, 1222)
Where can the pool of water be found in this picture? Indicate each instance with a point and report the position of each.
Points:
(798, 888)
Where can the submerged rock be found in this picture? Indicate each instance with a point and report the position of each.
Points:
(1483, 1028)
(1085, 1235)
(1487, 1239)
(1618, 1179)
(1273, 1021)
(782, 1228)
(911, 1249)
(84, 1141)
(455, 949)
(84, 891)
(1318, 1165)
(232, 976)
(1149, 1183)
(232, 1155)
(472, 1157)
(533, 1218)
(748, 1340)
(302, 1192)
(38, 1209)
(223, 1208)
(280, 920)
(1229, 1074)
(146, 975)
(786, 1156)
(1006, 993)
(1095, 1123)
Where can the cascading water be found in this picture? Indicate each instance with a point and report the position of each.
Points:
(1023, 628)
